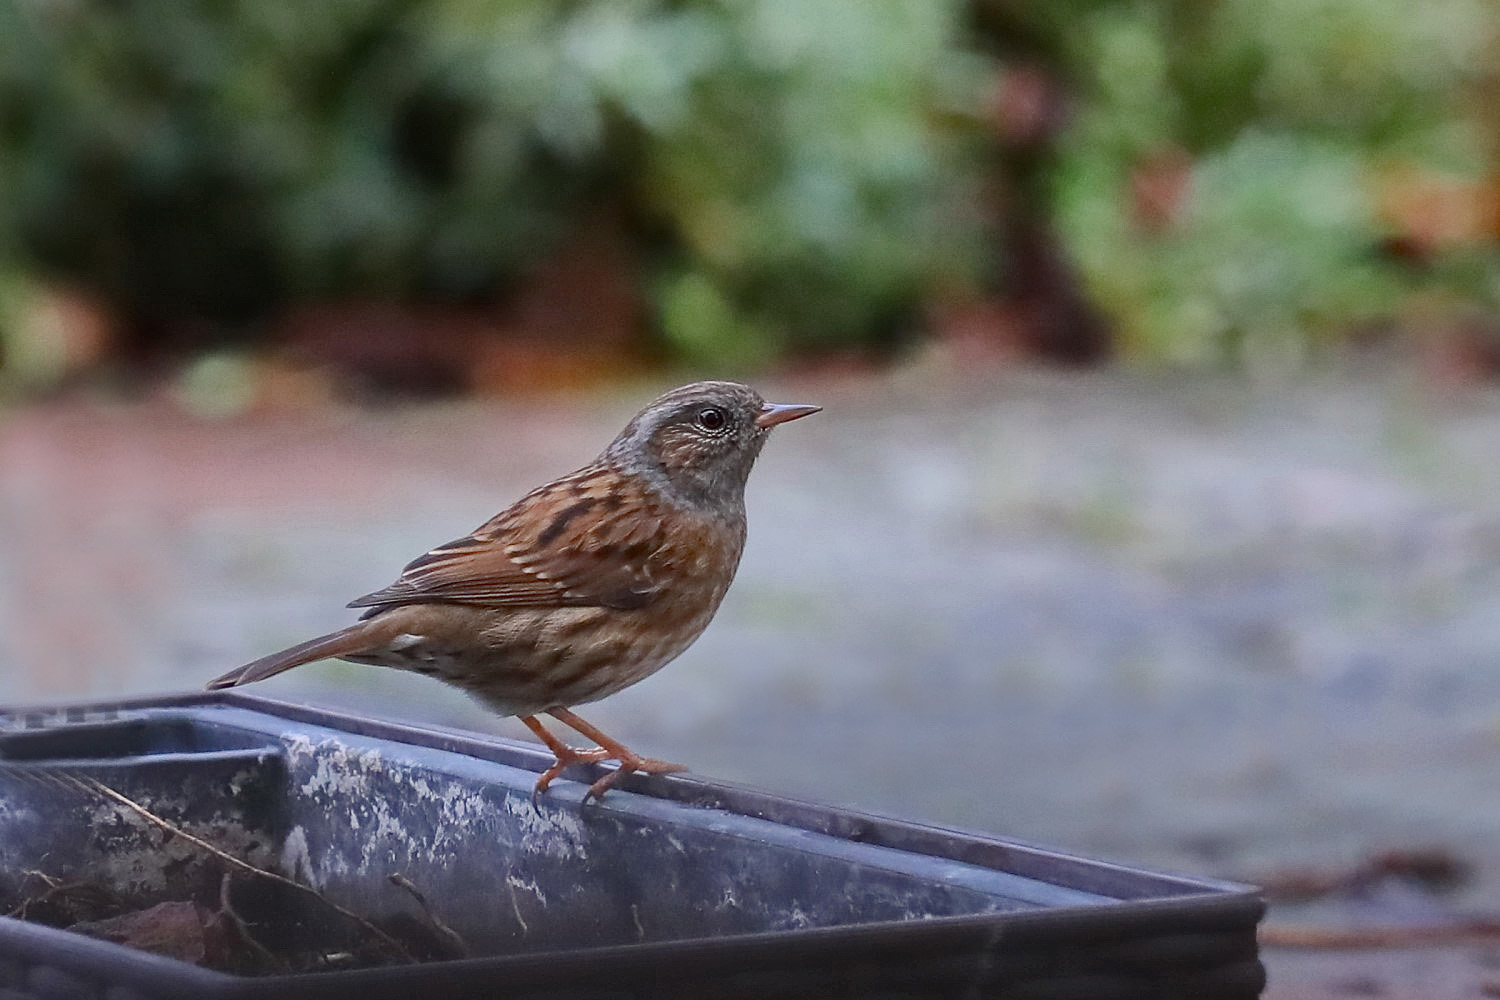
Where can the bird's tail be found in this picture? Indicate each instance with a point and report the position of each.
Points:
(346, 640)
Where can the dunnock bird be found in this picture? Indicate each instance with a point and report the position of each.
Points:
(583, 586)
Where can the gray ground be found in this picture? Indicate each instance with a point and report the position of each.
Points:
(1169, 620)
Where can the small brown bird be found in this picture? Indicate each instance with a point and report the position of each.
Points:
(582, 587)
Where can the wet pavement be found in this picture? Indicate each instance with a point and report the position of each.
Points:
(1176, 621)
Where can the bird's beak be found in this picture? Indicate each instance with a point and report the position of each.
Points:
(779, 413)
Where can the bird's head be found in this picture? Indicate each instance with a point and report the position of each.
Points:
(701, 440)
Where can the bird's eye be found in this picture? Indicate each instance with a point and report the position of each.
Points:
(711, 418)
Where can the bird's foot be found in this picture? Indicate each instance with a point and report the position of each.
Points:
(608, 749)
(566, 758)
(628, 765)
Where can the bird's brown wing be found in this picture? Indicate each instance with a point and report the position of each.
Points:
(589, 539)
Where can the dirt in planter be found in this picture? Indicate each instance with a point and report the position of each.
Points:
(254, 927)
(222, 912)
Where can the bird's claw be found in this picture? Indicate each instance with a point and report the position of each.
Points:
(645, 765)
(564, 761)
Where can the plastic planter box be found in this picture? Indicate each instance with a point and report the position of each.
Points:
(671, 886)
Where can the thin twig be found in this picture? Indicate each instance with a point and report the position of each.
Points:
(54, 888)
(229, 913)
(454, 939)
(99, 788)
(50, 881)
(1356, 938)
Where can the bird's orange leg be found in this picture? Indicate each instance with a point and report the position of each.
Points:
(566, 755)
(609, 749)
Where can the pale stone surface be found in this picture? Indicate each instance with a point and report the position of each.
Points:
(1176, 621)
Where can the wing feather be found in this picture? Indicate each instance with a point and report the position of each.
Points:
(589, 539)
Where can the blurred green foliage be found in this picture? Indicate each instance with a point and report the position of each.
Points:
(1300, 124)
(781, 164)
(792, 175)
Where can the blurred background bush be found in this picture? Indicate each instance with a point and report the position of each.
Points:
(409, 189)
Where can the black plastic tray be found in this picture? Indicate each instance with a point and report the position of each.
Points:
(669, 886)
